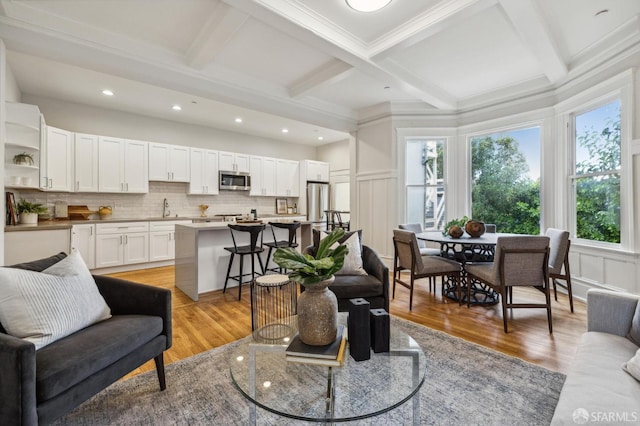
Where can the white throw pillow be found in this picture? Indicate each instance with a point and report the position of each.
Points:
(353, 259)
(42, 307)
(633, 366)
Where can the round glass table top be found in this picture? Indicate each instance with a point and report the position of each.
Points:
(300, 391)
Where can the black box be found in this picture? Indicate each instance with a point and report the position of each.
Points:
(359, 329)
(380, 329)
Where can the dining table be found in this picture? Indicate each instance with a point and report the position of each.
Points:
(466, 249)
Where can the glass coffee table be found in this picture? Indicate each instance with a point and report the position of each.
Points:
(313, 393)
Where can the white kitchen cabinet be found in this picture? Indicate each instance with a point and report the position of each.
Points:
(234, 162)
(123, 165)
(287, 178)
(85, 155)
(56, 162)
(23, 135)
(25, 246)
(316, 170)
(162, 240)
(122, 243)
(168, 163)
(83, 239)
(263, 176)
(204, 172)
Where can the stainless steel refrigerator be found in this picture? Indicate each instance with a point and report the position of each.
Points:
(317, 201)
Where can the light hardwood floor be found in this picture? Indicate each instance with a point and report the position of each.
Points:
(217, 319)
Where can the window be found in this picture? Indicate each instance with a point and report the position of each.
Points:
(505, 174)
(596, 177)
(425, 182)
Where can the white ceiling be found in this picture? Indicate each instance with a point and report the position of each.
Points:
(313, 66)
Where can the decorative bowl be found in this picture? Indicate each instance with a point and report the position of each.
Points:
(474, 228)
(455, 231)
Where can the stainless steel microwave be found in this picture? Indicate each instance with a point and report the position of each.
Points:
(235, 181)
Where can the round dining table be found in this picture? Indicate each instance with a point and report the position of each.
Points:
(466, 249)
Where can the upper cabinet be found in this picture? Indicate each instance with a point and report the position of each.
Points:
(56, 163)
(233, 162)
(122, 165)
(168, 163)
(316, 170)
(204, 172)
(288, 178)
(263, 176)
(86, 162)
(22, 145)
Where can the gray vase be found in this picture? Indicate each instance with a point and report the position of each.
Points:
(318, 314)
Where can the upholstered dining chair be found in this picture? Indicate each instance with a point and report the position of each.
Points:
(416, 228)
(519, 261)
(559, 244)
(408, 254)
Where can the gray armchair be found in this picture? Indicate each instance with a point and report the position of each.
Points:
(37, 387)
(373, 287)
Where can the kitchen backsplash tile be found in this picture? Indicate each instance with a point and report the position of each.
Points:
(150, 205)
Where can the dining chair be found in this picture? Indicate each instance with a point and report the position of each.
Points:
(520, 261)
(559, 245)
(406, 250)
(416, 228)
(490, 228)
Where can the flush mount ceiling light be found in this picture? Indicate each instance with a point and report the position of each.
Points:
(367, 5)
(238, 120)
(107, 92)
(176, 108)
(285, 130)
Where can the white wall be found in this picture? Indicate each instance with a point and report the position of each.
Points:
(12, 91)
(336, 154)
(106, 122)
(3, 91)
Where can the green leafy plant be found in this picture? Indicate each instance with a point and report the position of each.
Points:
(309, 270)
(25, 206)
(454, 222)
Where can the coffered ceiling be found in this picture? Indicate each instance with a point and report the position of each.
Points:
(314, 66)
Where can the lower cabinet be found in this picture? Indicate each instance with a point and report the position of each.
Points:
(83, 239)
(162, 240)
(122, 244)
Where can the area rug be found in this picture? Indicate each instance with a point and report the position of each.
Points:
(465, 384)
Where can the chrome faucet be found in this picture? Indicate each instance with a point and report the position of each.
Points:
(165, 209)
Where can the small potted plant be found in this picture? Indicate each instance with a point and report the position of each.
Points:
(23, 159)
(29, 211)
(317, 305)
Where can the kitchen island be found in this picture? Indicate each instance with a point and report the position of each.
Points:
(201, 260)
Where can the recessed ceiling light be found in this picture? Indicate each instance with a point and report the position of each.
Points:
(320, 138)
(107, 92)
(285, 130)
(176, 108)
(367, 5)
(238, 120)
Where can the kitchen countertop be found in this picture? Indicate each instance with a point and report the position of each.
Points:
(67, 224)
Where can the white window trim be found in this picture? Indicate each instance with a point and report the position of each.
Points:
(405, 134)
(618, 87)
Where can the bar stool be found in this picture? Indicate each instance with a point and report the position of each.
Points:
(276, 244)
(255, 232)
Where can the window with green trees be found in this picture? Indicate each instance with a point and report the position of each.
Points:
(505, 180)
(596, 178)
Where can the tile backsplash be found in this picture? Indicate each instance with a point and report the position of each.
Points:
(151, 204)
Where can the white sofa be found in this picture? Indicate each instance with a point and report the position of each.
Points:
(597, 389)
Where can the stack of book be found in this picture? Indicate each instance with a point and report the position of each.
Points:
(331, 355)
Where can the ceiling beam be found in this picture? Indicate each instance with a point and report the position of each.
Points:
(296, 21)
(444, 15)
(329, 73)
(534, 33)
(223, 23)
